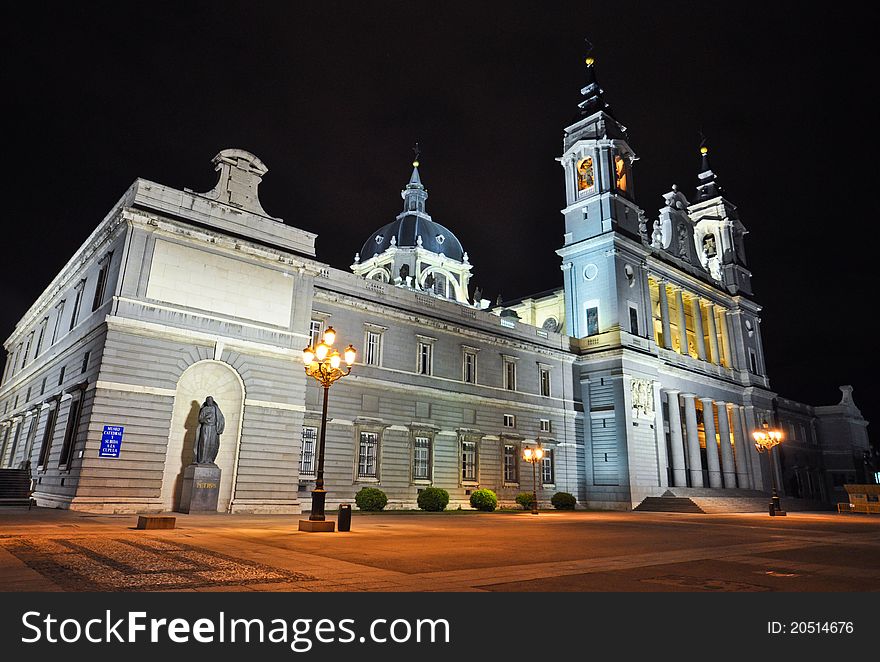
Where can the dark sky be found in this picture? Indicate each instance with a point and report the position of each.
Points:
(332, 96)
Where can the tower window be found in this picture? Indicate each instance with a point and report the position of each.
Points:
(592, 320)
(585, 178)
(620, 173)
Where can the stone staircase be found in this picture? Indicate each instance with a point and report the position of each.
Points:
(703, 500)
(15, 487)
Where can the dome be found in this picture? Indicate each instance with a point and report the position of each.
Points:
(406, 230)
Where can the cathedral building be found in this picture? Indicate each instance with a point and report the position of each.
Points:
(642, 376)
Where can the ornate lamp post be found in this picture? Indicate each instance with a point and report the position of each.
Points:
(765, 440)
(533, 456)
(323, 363)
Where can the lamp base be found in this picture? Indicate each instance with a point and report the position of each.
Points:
(313, 526)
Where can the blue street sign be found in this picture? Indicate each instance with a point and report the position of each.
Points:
(111, 441)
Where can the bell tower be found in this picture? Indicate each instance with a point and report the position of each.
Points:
(600, 203)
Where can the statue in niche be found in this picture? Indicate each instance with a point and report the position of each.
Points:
(211, 426)
(429, 282)
(709, 247)
(478, 295)
(585, 174)
(404, 272)
(657, 235)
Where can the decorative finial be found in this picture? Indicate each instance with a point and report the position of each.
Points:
(704, 149)
(416, 151)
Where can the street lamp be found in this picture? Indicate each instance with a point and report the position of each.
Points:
(533, 456)
(323, 363)
(765, 440)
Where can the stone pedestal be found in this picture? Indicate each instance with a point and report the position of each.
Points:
(201, 489)
(312, 526)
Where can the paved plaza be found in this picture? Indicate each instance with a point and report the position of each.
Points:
(54, 550)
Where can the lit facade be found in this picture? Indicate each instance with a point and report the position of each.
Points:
(642, 375)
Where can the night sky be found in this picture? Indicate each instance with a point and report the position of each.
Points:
(332, 96)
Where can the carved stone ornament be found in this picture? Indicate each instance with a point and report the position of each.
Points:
(643, 397)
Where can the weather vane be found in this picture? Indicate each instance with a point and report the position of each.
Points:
(416, 151)
(587, 57)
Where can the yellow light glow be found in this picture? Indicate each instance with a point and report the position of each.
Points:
(350, 354)
(589, 61)
(335, 360)
(415, 164)
(539, 453)
(330, 335)
(704, 150)
(527, 454)
(321, 351)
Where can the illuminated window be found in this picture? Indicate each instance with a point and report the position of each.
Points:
(585, 179)
(620, 173)
(307, 455)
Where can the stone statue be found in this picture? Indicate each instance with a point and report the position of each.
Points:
(643, 397)
(683, 252)
(657, 235)
(211, 426)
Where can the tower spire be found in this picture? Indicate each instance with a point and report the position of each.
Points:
(708, 186)
(414, 193)
(594, 99)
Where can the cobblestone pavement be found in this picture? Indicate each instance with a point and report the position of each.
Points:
(90, 563)
(55, 550)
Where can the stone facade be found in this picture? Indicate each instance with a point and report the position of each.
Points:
(644, 373)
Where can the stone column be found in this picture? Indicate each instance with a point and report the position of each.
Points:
(757, 473)
(698, 327)
(727, 466)
(693, 440)
(664, 314)
(682, 321)
(713, 334)
(725, 340)
(676, 441)
(712, 460)
(741, 448)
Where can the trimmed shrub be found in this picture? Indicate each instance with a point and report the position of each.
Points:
(371, 498)
(563, 501)
(525, 500)
(484, 500)
(433, 499)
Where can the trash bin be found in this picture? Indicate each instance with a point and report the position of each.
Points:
(344, 521)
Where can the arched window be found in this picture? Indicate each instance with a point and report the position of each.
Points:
(585, 179)
(620, 173)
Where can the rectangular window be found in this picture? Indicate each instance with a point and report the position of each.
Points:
(77, 302)
(373, 346)
(43, 386)
(367, 453)
(511, 464)
(547, 477)
(59, 313)
(48, 433)
(545, 425)
(27, 349)
(41, 336)
(102, 282)
(15, 360)
(753, 361)
(307, 454)
(509, 421)
(73, 417)
(85, 363)
(423, 366)
(61, 376)
(592, 321)
(509, 371)
(421, 458)
(469, 367)
(316, 332)
(469, 460)
(634, 320)
(544, 376)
